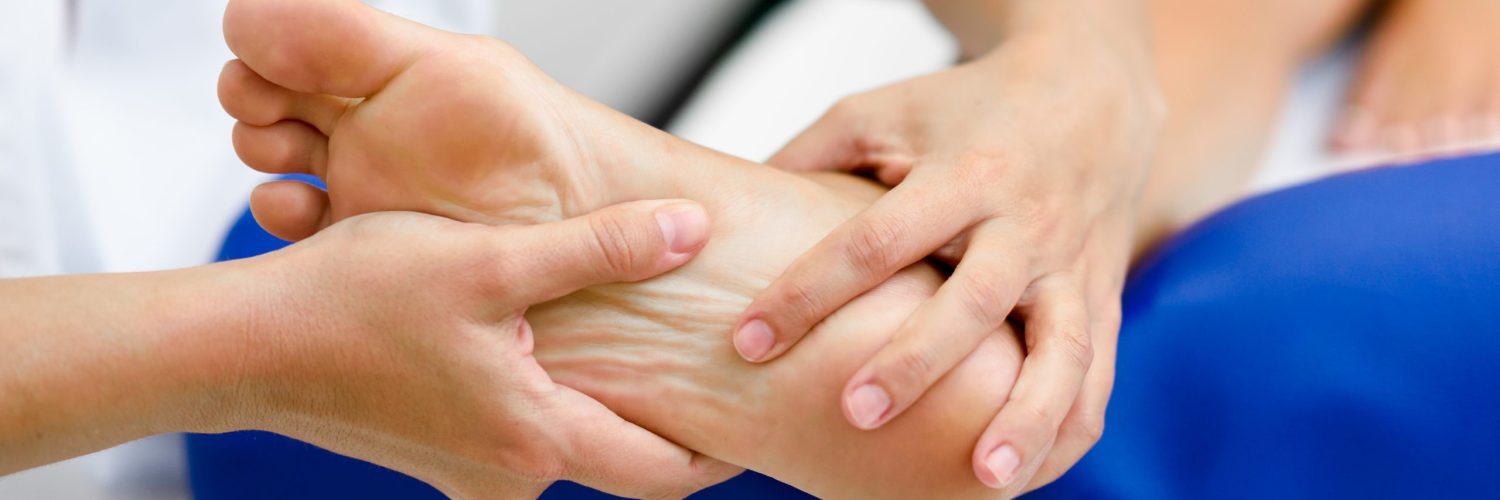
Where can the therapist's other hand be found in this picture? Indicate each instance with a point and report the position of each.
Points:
(1022, 168)
(400, 338)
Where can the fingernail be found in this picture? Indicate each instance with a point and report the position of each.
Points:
(1002, 464)
(867, 404)
(754, 340)
(684, 225)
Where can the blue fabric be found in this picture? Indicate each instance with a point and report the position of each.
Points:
(1335, 340)
(1338, 339)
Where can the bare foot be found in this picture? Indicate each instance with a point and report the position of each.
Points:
(395, 115)
(1429, 85)
(399, 116)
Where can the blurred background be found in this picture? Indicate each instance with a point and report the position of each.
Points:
(115, 155)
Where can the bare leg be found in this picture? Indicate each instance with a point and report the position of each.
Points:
(1224, 67)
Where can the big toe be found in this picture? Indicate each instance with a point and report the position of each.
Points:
(339, 47)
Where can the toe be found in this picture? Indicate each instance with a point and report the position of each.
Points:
(290, 210)
(1355, 130)
(1488, 128)
(338, 47)
(1403, 141)
(284, 147)
(255, 101)
(1441, 134)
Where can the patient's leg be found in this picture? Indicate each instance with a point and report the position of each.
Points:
(465, 127)
(1224, 67)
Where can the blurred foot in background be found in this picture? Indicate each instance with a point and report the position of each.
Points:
(1225, 67)
(1429, 85)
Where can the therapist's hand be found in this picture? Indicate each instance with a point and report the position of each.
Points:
(1022, 167)
(400, 338)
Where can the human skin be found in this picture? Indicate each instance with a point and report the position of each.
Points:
(1022, 166)
(336, 342)
(464, 127)
(656, 353)
(1225, 68)
(1428, 85)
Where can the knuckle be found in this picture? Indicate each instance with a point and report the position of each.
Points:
(801, 301)
(612, 240)
(986, 298)
(1033, 213)
(982, 170)
(1090, 427)
(874, 248)
(911, 367)
(1038, 421)
(1074, 343)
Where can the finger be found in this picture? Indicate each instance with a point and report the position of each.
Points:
(285, 147)
(902, 227)
(1058, 356)
(829, 144)
(626, 242)
(970, 306)
(611, 454)
(1084, 425)
(290, 210)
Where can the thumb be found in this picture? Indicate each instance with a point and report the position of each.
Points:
(829, 144)
(613, 455)
(626, 242)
